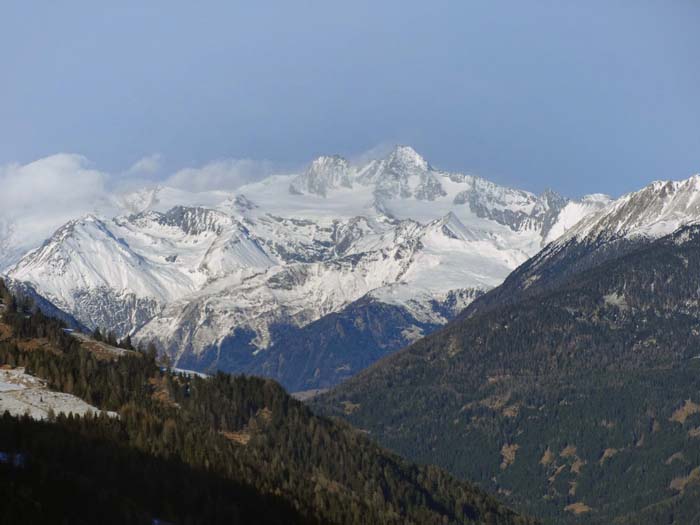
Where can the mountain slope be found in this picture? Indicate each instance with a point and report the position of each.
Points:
(578, 404)
(340, 344)
(232, 446)
(632, 221)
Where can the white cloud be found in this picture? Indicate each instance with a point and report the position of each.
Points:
(146, 166)
(52, 182)
(226, 174)
(38, 197)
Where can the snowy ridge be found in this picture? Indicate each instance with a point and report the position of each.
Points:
(222, 272)
(654, 211)
(121, 272)
(573, 211)
(615, 229)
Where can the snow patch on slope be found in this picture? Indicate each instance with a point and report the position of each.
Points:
(22, 393)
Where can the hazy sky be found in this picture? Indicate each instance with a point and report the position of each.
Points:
(585, 96)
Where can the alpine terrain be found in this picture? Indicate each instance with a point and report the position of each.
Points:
(360, 259)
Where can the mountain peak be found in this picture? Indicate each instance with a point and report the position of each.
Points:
(325, 173)
(407, 158)
(326, 163)
(72, 225)
(450, 217)
(450, 226)
(551, 196)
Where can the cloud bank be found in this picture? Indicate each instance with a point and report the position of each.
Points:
(39, 197)
(146, 166)
(226, 175)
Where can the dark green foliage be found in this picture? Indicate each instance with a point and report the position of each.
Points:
(70, 368)
(203, 438)
(77, 471)
(601, 361)
(314, 455)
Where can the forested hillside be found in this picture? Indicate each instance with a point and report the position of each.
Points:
(579, 404)
(185, 449)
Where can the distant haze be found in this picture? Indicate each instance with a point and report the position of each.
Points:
(581, 97)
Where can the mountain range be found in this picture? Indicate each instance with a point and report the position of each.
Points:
(378, 254)
(544, 348)
(570, 389)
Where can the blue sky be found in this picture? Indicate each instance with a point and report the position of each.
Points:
(588, 96)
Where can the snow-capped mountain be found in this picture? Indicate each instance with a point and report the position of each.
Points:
(633, 220)
(654, 211)
(217, 278)
(323, 175)
(120, 272)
